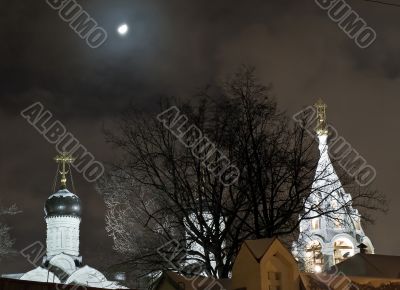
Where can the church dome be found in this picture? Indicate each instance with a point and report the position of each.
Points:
(63, 203)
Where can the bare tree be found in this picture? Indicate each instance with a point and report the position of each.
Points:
(161, 190)
(6, 242)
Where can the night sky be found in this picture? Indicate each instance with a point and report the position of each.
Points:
(174, 48)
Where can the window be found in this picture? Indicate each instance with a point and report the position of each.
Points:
(358, 225)
(314, 257)
(343, 248)
(315, 224)
(274, 281)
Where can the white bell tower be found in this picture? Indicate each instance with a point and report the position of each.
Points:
(331, 238)
(63, 218)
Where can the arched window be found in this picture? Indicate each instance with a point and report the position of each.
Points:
(314, 257)
(343, 248)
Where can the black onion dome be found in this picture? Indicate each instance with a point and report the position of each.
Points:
(63, 203)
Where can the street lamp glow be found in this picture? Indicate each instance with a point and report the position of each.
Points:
(123, 29)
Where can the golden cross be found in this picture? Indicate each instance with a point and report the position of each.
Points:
(321, 128)
(64, 158)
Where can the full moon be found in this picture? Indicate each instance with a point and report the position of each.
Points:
(123, 29)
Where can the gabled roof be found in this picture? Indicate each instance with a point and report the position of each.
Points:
(368, 265)
(258, 248)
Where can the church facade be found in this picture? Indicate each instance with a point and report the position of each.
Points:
(62, 263)
(328, 239)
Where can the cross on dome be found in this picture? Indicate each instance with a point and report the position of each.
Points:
(64, 159)
(321, 128)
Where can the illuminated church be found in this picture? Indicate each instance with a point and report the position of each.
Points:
(62, 262)
(326, 240)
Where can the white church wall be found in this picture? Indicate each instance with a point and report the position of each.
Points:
(62, 235)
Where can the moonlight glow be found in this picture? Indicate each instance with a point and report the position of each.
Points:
(123, 29)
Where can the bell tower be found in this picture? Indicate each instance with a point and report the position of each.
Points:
(328, 239)
(63, 217)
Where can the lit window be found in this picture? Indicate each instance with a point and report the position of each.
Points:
(314, 257)
(358, 225)
(315, 224)
(343, 249)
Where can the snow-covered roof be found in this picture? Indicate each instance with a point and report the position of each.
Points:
(62, 193)
(90, 276)
(13, 284)
(86, 276)
(40, 274)
(12, 276)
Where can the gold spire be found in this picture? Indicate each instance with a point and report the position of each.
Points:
(64, 159)
(321, 128)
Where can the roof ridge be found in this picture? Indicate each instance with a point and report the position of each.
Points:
(267, 248)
